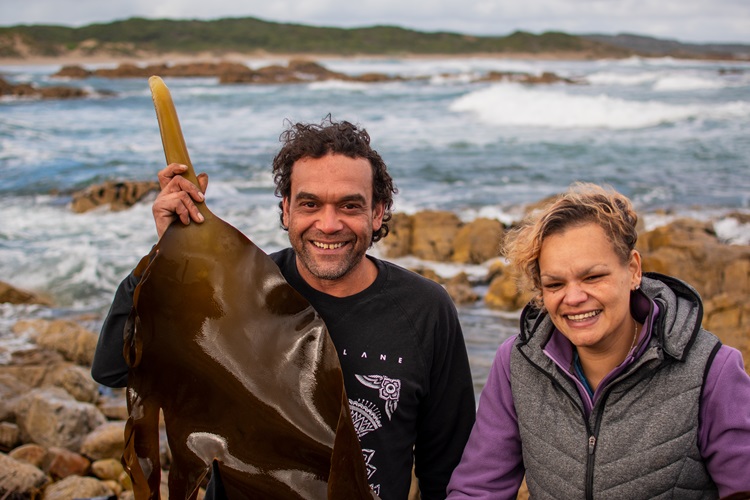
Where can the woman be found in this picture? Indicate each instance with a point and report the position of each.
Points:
(612, 389)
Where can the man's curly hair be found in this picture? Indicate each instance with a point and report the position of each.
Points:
(309, 140)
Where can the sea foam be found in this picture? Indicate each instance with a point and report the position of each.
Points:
(515, 105)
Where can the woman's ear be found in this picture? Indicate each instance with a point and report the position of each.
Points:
(636, 272)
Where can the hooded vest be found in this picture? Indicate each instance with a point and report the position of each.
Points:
(641, 438)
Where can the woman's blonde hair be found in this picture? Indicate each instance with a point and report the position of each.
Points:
(583, 203)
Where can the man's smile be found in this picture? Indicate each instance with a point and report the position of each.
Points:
(328, 246)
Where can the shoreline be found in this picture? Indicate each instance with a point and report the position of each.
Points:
(141, 59)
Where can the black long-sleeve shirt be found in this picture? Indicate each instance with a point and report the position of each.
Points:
(405, 367)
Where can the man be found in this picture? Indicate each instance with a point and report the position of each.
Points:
(397, 335)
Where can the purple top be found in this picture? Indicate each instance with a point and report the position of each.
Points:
(492, 465)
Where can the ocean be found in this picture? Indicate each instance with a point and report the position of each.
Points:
(673, 135)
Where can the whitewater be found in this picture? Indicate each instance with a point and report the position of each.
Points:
(673, 135)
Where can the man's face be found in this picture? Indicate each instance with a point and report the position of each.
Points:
(331, 218)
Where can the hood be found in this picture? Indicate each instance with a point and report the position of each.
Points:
(681, 312)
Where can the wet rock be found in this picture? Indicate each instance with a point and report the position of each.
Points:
(13, 295)
(503, 293)
(118, 195)
(69, 338)
(31, 91)
(11, 388)
(545, 78)
(72, 71)
(76, 381)
(61, 463)
(113, 406)
(61, 92)
(106, 441)
(107, 469)
(460, 289)
(690, 250)
(433, 233)
(30, 453)
(9, 436)
(52, 417)
(20, 479)
(76, 487)
(399, 240)
(478, 241)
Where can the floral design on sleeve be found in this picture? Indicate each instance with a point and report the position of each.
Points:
(389, 390)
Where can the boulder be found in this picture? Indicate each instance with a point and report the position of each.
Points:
(460, 289)
(106, 441)
(9, 436)
(61, 92)
(61, 463)
(503, 293)
(545, 78)
(689, 250)
(72, 71)
(478, 241)
(433, 233)
(76, 487)
(11, 388)
(113, 406)
(107, 469)
(728, 317)
(13, 295)
(399, 240)
(33, 91)
(69, 338)
(30, 453)
(51, 417)
(76, 380)
(20, 479)
(119, 195)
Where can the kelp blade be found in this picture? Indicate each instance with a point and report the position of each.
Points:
(240, 364)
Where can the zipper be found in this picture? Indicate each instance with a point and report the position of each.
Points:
(590, 468)
(593, 436)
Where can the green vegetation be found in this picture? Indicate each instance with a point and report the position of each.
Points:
(251, 34)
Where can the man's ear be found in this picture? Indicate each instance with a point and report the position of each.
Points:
(285, 212)
(377, 216)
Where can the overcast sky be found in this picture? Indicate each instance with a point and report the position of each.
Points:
(684, 20)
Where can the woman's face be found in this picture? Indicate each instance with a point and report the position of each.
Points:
(586, 287)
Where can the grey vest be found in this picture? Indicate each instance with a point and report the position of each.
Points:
(641, 439)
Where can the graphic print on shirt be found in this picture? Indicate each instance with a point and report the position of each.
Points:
(368, 454)
(389, 390)
(365, 416)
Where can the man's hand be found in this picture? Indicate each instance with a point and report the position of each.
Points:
(178, 197)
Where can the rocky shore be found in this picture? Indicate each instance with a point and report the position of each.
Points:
(296, 71)
(61, 435)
